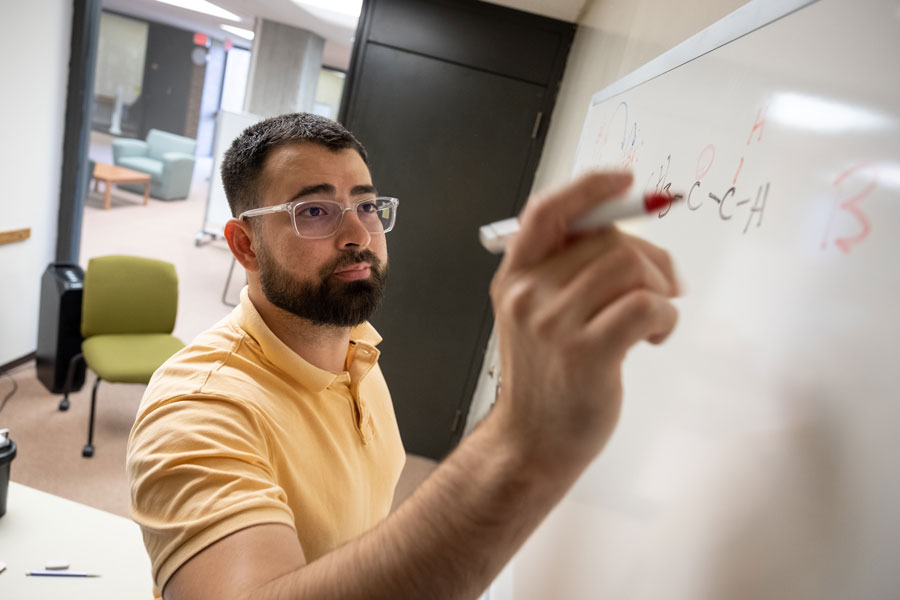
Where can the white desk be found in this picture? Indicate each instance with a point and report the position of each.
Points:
(38, 527)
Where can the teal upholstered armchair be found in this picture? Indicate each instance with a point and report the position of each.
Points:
(166, 157)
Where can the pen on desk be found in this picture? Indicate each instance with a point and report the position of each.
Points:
(495, 236)
(59, 574)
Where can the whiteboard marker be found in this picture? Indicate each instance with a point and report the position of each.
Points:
(496, 236)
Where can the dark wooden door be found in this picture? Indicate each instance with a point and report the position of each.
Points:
(458, 145)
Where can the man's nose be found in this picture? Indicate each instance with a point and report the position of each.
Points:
(352, 232)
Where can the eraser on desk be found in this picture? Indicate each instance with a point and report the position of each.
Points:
(2, 566)
(57, 565)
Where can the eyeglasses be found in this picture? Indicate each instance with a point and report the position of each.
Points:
(317, 219)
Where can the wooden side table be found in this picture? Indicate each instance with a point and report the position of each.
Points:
(111, 175)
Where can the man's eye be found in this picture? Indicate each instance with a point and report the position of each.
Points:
(367, 207)
(312, 212)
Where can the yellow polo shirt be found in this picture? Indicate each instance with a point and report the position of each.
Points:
(237, 430)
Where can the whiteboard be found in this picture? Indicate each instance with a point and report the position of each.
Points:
(229, 125)
(757, 453)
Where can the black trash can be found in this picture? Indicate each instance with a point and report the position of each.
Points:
(59, 327)
(7, 453)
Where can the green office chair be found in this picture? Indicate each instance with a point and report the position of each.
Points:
(127, 316)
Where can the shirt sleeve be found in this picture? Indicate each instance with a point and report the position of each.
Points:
(199, 470)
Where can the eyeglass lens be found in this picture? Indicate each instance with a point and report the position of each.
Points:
(318, 219)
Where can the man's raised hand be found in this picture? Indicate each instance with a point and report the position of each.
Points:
(567, 310)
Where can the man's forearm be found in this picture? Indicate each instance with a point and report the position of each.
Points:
(449, 539)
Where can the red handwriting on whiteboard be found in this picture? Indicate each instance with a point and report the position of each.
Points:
(758, 126)
(705, 161)
(849, 199)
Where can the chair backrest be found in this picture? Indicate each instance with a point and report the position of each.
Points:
(128, 294)
(159, 142)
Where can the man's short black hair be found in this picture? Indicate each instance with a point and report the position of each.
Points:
(243, 163)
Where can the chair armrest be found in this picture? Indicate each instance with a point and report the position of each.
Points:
(125, 147)
(177, 157)
(178, 168)
(178, 165)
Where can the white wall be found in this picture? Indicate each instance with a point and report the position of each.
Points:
(34, 66)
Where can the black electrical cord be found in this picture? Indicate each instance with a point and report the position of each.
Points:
(15, 386)
(9, 394)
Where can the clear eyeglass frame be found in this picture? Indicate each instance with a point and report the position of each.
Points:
(385, 205)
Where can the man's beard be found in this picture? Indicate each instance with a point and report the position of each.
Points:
(332, 302)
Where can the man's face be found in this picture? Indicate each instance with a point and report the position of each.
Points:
(339, 280)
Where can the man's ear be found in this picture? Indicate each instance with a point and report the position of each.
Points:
(239, 235)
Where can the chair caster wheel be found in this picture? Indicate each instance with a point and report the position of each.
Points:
(64, 404)
(87, 451)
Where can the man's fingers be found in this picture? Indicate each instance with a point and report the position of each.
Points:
(559, 269)
(545, 222)
(662, 260)
(638, 315)
(609, 273)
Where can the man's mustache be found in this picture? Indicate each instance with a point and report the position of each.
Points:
(351, 257)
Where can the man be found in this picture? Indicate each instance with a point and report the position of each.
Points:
(264, 456)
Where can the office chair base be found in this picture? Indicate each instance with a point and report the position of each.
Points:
(87, 451)
(64, 403)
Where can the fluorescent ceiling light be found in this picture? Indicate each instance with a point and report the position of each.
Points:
(244, 33)
(202, 6)
(350, 8)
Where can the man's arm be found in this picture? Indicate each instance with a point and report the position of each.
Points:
(567, 310)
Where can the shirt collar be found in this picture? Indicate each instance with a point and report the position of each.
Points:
(279, 354)
(364, 333)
